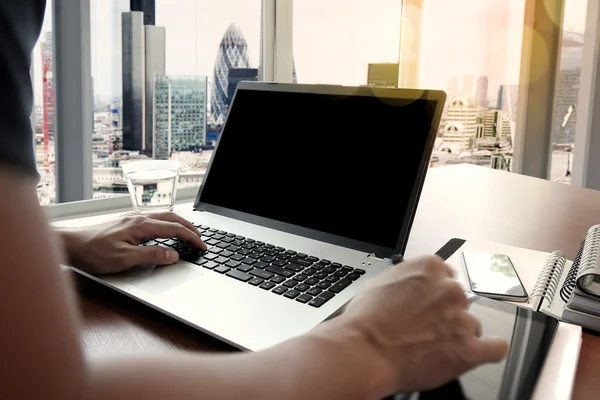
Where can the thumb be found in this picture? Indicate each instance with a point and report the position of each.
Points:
(489, 350)
(157, 255)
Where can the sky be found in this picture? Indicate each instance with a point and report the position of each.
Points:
(334, 40)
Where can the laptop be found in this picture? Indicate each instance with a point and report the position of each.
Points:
(310, 192)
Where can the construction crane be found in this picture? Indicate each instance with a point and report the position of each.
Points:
(48, 105)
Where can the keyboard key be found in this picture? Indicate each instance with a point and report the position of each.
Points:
(207, 234)
(309, 271)
(234, 248)
(320, 275)
(301, 255)
(290, 283)
(221, 260)
(341, 273)
(222, 245)
(170, 242)
(336, 265)
(278, 279)
(314, 291)
(239, 275)
(279, 249)
(222, 269)
(222, 233)
(261, 274)
(210, 265)
(282, 256)
(227, 240)
(256, 281)
(353, 276)
(290, 252)
(159, 240)
(199, 261)
(210, 256)
(302, 287)
(269, 246)
(212, 229)
(248, 246)
(347, 268)
(300, 261)
(237, 257)
(232, 264)
(245, 268)
(255, 255)
(238, 237)
(260, 264)
(300, 277)
(259, 249)
(325, 262)
(226, 253)
(323, 285)
(311, 281)
(237, 243)
(318, 302)
(216, 250)
(267, 285)
(304, 298)
(291, 294)
(312, 259)
(280, 290)
(279, 271)
(259, 243)
(293, 267)
(267, 259)
(341, 285)
(244, 252)
(281, 263)
(231, 235)
(318, 267)
(360, 271)
(250, 240)
(332, 279)
(329, 270)
(218, 236)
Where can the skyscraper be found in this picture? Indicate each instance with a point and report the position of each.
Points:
(507, 99)
(453, 86)
(148, 7)
(467, 87)
(237, 75)
(48, 82)
(481, 93)
(383, 75)
(134, 85)
(155, 65)
(233, 53)
(179, 114)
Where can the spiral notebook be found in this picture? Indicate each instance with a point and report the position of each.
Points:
(556, 286)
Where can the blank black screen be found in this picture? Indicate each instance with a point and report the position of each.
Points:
(345, 165)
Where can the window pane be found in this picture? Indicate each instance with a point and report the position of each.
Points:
(163, 80)
(567, 91)
(43, 111)
(469, 48)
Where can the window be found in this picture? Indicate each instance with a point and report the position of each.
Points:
(567, 91)
(469, 48)
(43, 111)
(163, 77)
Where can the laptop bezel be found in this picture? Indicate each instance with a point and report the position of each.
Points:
(376, 250)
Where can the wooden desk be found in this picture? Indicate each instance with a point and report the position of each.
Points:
(459, 201)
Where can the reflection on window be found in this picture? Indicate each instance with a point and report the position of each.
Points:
(164, 73)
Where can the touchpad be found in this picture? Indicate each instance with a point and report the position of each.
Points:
(159, 279)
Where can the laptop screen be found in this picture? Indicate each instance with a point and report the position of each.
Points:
(344, 165)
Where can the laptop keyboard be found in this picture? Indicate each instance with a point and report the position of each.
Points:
(295, 276)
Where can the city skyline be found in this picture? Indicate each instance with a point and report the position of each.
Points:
(195, 29)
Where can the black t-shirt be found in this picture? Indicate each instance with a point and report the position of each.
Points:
(20, 26)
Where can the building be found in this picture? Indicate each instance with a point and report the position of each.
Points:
(467, 87)
(383, 75)
(507, 99)
(143, 58)
(463, 123)
(453, 86)
(148, 7)
(233, 53)
(567, 89)
(237, 75)
(179, 114)
(496, 124)
(47, 71)
(481, 92)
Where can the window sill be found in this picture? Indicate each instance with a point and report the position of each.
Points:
(120, 204)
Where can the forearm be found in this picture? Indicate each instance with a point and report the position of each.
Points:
(315, 366)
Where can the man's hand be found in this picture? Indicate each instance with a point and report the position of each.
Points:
(114, 246)
(414, 319)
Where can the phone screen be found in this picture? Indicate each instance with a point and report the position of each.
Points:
(493, 274)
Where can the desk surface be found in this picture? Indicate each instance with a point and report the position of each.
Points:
(458, 201)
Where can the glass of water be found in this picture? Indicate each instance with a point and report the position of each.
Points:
(152, 184)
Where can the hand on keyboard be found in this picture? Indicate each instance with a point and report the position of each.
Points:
(114, 246)
(411, 323)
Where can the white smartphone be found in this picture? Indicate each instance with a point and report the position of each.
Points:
(494, 276)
